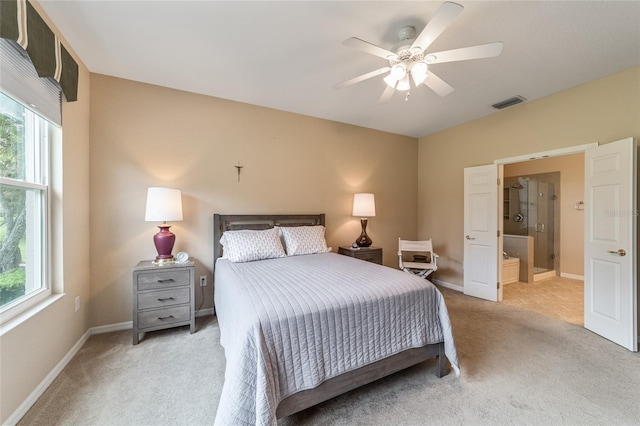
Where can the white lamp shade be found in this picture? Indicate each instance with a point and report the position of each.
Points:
(163, 204)
(364, 205)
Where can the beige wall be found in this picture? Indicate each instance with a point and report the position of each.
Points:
(31, 349)
(603, 111)
(571, 224)
(144, 135)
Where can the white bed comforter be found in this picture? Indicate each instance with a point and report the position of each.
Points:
(289, 324)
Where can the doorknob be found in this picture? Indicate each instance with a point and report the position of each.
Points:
(469, 238)
(619, 252)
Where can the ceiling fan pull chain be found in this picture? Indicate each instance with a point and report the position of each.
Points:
(407, 97)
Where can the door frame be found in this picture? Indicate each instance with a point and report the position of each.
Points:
(547, 154)
(554, 153)
(576, 149)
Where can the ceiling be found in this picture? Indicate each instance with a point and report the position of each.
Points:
(287, 55)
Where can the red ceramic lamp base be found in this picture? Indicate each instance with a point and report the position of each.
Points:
(164, 241)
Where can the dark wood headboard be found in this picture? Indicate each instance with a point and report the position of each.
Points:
(233, 222)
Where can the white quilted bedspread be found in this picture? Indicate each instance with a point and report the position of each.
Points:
(288, 324)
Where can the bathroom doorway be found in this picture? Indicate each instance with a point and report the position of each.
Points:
(543, 226)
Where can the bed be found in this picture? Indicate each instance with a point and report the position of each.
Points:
(299, 328)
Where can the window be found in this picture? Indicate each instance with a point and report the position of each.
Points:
(24, 214)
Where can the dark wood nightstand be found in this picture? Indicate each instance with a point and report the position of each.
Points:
(163, 297)
(370, 254)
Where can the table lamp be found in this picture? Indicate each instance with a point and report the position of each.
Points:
(364, 206)
(163, 204)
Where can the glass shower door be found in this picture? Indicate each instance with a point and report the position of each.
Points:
(541, 210)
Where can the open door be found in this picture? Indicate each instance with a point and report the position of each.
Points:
(610, 275)
(482, 224)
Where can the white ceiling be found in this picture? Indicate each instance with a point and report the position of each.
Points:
(288, 55)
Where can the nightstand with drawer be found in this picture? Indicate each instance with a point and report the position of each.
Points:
(163, 297)
(370, 254)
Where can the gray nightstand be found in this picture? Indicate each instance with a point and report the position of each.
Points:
(370, 254)
(163, 297)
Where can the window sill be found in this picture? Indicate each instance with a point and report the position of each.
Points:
(22, 317)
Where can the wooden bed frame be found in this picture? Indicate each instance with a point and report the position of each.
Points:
(347, 381)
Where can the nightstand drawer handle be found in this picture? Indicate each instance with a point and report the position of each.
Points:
(164, 318)
(164, 299)
(170, 280)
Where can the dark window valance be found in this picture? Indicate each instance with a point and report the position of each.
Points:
(20, 22)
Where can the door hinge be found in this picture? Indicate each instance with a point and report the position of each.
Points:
(498, 285)
(498, 181)
(498, 233)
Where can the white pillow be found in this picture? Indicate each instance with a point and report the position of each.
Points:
(248, 245)
(304, 240)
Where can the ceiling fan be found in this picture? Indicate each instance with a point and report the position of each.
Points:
(408, 60)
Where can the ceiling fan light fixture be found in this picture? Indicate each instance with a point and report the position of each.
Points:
(398, 71)
(419, 72)
(419, 68)
(391, 81)
(418, 78)
(404, 84)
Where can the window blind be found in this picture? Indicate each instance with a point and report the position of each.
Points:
(20, 81)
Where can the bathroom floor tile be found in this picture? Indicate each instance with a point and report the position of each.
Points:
(557, 297)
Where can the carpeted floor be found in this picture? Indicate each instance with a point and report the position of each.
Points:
(518, 367)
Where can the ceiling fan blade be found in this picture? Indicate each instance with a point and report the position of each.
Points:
(438, 85)
(443, 17)
(464, 53)
(386, 95)
(360, 78)
(367, 47)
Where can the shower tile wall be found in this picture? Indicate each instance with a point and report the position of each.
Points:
(521, 246)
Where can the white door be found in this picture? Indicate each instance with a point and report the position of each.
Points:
(481, 226)
(610, 280)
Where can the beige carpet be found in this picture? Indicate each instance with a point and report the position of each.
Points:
(518, 367)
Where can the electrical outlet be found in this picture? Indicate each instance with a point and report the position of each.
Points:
(203, 281)
(77, 303)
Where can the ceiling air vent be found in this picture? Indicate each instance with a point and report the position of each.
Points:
(509, 102)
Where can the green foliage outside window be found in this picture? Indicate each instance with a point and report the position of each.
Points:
(12, 209)
(11, 285)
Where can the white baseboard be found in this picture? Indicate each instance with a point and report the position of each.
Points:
(127, 325)
(572, 276)
(449, 285)
(14, 418)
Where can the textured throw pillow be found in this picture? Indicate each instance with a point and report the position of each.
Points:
(304, 240)
(248, 245)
